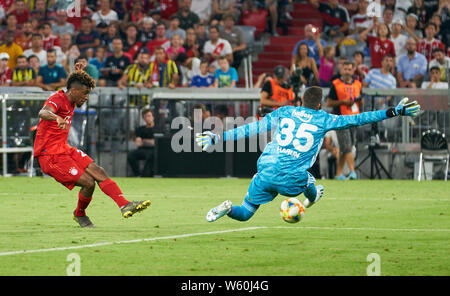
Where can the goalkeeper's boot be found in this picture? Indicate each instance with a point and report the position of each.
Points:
(340, 177)
(219, 211)
(307, 203)
(83, 221)
(133, 207)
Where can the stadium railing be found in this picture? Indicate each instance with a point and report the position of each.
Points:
(104, 127)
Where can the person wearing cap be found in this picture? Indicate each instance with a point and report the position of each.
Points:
(276, 92)
(398, 38)
(410, 27)
(11, 48)
(5, 71)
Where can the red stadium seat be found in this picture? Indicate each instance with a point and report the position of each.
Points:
(256, 19)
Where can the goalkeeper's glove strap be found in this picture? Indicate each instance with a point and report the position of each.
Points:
(391, 112)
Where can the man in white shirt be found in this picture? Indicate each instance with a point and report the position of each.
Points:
(398, 38)
(37, 49)
(217, 47)
(105, 14)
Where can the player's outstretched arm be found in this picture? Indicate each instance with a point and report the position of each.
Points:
(345, 121)
(207, 139)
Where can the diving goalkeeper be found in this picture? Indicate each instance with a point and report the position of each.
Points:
(282, 167)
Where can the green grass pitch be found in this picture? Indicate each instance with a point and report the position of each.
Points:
(407, 223)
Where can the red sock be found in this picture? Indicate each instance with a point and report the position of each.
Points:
(83, 203)
(110, 188)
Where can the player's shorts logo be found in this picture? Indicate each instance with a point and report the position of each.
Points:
(73, 171)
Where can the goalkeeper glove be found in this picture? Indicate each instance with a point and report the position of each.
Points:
(404, 109)
(206, 139)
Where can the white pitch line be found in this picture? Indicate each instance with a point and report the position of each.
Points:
(217, 232)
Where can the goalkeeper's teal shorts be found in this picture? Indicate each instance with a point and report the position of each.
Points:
(261, 192)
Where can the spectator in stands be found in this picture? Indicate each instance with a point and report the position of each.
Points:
(188, 19)
(380, 45)
(176, 47)
(225, 76)
(160, 39)
(435, 82)
(70, 57)
(307, 65)
(22, 14)
(222, 7)
(442, 62)
(5, 71)
(314, 43)
(204, 79)
(235, 37)
(61, 26)
(11, 48)
(361, 20)
(120, 7)
(412, 67)
(335, 20)
(25, 40)
(163, 73)
(75, 19)
(191, 44)
(147, 32)
(52, 76)
(89, 68)
(135, 16)
(382, 79)
(106, 39)
(361, 69)
(115, 64)
(275, 93)
(87, 37)
(440, 32)
(202, 36)
(11, 25)
(217, 47)
(174, 28)
(398, 38)
(99, 62)
(203, 9)
(23, 74)
(327, 65)
(105, 14)
(132, 45)
(188, 68)
(137, 75)
(411, 30)
(145, 143)
(49, 39)
(345, 102)
(388, 16)
(422, 12)
(42, 12)
(65, 41)
(429, 43)
(34, 63)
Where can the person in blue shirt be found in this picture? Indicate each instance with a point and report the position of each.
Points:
(314, 43)
(204, 79)
(51, 76)
(299, 134)
(411, 67)
(225, 76)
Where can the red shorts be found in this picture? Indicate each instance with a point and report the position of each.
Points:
(66, 168)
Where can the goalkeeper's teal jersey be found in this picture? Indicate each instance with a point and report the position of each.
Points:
(299, 134)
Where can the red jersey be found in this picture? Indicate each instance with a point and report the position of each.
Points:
(50, 42)
(50, 139)
(168, 7)
(6, 4)
(6, 76)
(76, 20)
(426, 47)
(378, 49)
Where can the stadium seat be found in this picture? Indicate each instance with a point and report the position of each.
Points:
(255, 19)
(434, 148)
(249, 35)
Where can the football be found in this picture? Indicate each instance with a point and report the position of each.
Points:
(292, 210)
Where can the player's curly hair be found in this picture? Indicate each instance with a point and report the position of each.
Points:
(80, 77)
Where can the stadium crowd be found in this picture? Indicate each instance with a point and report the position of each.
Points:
(196, 43)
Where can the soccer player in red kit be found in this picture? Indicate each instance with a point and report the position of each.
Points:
(68, 165)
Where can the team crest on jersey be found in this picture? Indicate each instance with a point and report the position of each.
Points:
(302, 115)
(73, 171)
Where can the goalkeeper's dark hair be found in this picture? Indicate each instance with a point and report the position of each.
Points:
(312, 97)
(82, 78)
